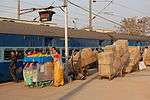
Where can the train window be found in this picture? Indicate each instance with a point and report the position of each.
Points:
(34, 49)
(70, 52)
(48, 51)
(30, 49)
(20, 52)
(7, 54)
(38, 49)
(63, 52)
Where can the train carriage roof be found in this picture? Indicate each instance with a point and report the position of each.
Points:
(12, 27)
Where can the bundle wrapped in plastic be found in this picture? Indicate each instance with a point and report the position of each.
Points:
(121, 47)
(85, 56)
(105, 60)
(146, 56)
(114, 59)
(134, 59)
(80, 61)
(110, 48)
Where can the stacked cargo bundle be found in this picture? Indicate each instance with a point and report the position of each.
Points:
(134, 59)
(121, 47)
(114, 59)
(146, 56)
(86, 56)
(105, 60)
(122, 55)
(110, 48)
(80, 62)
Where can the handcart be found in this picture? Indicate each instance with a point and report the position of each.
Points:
(39, 73)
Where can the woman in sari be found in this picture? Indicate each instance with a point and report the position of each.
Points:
(58, 68)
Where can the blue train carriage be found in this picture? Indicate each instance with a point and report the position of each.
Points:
(58, 42)
(139, 43)
(24, 43)
(23, 36)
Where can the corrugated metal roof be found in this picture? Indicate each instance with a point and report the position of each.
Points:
(32, 29)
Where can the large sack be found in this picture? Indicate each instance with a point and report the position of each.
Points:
(125, 58)
(121, 47)
(121, 54)
(120, 63)
(122, 43)
(109, 48)
(146, 56)
(85, 56)
(134, 59)
(106, 69)
(125, 61)
(79, 62)
(117, 63)
(105, 58)
(105, 62)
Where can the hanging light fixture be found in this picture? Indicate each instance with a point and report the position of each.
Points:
(46, 15)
